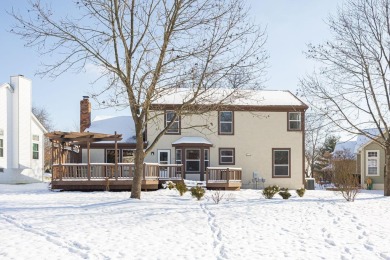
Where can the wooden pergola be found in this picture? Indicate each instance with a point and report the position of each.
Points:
(60, 140)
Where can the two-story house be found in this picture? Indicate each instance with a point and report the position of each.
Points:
(263, 135)
(21, 134)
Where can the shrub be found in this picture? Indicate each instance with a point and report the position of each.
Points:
(198, 192)
(270, 191)
(285, 193)
(181, 188)
(301, 192)
(344, 180)
(169, 184)
(217, 196)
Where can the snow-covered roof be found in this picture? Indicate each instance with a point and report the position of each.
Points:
(237, 98)
(123, 125)
(353, 146)
(192, 140)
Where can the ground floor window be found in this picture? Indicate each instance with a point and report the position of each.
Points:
(193, 160)
(226, 156)
(178, 156)
(281, 162)
(128, 156)
(110, 155)
(35, 154)
(1, 148)
(206, 159)
(372, 162)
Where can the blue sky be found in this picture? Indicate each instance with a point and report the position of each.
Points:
(291, 24)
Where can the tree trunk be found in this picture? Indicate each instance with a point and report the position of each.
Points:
(139, 166)
(387, 170)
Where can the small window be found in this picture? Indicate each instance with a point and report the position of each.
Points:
(294, 121)
(281, 162)
(35, 138)
(226, 156)
(1, 132)
(127, 156)
(178, 156)
(1, 169)
(36, 151)
(372, 163)
(1, 148)
(175, 127)
(206, 159)
(226, 122)
(110, 155)
(193, 160)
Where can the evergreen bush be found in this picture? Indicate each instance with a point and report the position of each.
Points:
(198, 192)
(301, 192)
(285, 193)
(181, 188)
(270, 191)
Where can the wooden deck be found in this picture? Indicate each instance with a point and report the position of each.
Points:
(223, 178)
(108, 176)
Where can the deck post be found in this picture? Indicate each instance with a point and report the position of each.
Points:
(227, 175)
(89, 160)
(116, 158)
(52, 161)
(59, 160)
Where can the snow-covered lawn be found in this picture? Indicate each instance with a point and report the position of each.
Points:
(36, 223)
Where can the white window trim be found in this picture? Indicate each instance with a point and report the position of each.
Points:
(208, 160)
(295, 120)
(2, 147)
(378, 162)
(38, 152)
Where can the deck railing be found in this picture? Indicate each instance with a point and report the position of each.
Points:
(223, 174)
(78, 171)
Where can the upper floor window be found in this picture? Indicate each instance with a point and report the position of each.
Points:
(281, 162)
(1, 148)
(372, 162)
(175, 127)
(294, 121)
(35, 138)
(226, 123)
(35, 154)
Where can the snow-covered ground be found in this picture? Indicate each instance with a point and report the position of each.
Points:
(36, 223)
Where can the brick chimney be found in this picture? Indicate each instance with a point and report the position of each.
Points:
(85, 114)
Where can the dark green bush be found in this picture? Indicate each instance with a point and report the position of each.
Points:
(285, 194)
(270, 191)
(301, 192)
(181, 188)
(197, 192)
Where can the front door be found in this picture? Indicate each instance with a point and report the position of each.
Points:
(164, 157)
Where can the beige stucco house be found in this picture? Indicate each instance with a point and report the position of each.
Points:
(370, 158)
(262, 133)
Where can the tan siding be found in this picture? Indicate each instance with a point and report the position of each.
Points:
(255, 134)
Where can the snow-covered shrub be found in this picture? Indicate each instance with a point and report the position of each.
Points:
(301, 192)
(197, 192)
(169, 184)
(270, 191)
(285, 193)
(181, 187)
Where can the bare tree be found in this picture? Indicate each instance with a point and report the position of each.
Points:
(146, 49)
(44, 118)
(352, 86)
(316, 131)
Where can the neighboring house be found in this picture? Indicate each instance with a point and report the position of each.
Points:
(21, 134)
(263, 134)
(370, 158)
